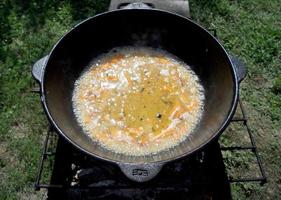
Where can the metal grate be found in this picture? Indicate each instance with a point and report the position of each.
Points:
(51, 139)
(202, 174)
(241, 74)
(252, 147)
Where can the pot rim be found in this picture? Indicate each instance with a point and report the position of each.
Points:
(199, 147)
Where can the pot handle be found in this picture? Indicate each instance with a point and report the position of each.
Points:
(135, 5)
(140, 172)
(38, 68)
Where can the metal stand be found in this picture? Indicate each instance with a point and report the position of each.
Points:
(51, 139)
(252, 147)
(77, 176)
(241, 73)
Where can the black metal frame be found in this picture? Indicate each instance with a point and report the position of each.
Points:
(253, 147)
(241, 73)
(45, 153)
(262, 179)
(53, 138)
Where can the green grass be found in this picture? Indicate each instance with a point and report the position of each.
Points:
(250, 29)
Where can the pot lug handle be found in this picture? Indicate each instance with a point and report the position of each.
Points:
(38, 68)
(140, 172)
(135, 5)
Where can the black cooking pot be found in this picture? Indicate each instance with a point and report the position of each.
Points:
(180, 36)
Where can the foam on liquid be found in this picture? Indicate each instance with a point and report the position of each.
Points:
(138, 101)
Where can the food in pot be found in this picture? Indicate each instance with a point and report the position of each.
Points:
(138, 100)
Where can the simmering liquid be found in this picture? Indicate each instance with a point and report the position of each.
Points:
(137, 100)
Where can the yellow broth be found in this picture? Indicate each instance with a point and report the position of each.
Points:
(137, 101)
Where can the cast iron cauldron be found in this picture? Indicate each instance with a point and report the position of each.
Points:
(180, 36)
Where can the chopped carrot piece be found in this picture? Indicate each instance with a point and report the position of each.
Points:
(178, 109)
(164, 133)
(127, 75)
(112, 78)
(116, 58)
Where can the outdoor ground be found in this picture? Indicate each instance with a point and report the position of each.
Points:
(250, 29)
